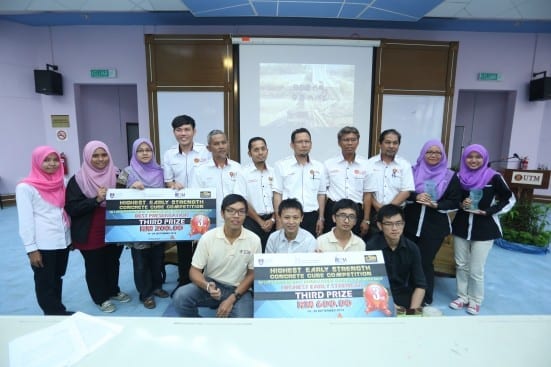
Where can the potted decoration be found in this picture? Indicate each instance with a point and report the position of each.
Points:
(526, 228)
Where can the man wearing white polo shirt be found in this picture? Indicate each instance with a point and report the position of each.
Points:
(300, 177)
(219, 172)
(346, 179)
(179, 163)
(255, 185)
(389, 177)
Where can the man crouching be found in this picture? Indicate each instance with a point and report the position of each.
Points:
(221, 270)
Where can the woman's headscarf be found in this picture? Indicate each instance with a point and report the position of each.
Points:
(50, 185)
(475, 179)
(89, 178)
(150, 174)
(439, 173)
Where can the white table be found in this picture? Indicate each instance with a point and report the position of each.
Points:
(409, 341)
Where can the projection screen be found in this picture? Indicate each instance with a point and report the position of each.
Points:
(322, 85)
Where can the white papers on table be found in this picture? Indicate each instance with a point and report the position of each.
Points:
(62, 344)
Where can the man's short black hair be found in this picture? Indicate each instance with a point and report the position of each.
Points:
(232, 199)
(390, 131)
(299, 131)
(183, 120)
(388, 211)
(290, 203)
(345, 204)
(256, 138)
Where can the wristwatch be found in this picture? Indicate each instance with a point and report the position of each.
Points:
(367, 221)
(237, 295)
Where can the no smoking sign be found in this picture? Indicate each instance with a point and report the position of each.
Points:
(61, 135)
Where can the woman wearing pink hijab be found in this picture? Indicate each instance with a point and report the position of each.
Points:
(44, 227)
(85, 203)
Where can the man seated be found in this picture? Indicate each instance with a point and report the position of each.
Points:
(341, 238)
(290, 238)
(221, 270)
(402, 258)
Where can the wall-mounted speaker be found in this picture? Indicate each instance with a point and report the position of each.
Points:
(540, 89)
(48, 82)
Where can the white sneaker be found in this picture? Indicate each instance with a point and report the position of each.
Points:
(107, 306)
(121, 297)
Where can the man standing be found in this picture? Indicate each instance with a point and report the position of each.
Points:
(346, 179)
(340, 238)
(222, 267)
(402, 258)
(256, 185)
(179, 163)
(389, 177)
(300, 177)
(220, 172)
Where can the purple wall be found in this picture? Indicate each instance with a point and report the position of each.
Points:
(25, 119)
(102, 114)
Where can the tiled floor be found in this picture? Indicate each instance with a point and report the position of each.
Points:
(516, 283)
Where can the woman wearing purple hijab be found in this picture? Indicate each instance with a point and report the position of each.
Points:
(476, 225)
(85, 203)
(147, 258)
(437, 192)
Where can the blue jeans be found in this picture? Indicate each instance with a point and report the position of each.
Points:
(188, 298)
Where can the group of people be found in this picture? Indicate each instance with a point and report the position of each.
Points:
(347, 203)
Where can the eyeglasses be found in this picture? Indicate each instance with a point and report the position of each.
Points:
(394, 224)
(233, 212)
(143, 151)
(430, 152)
(342, 216)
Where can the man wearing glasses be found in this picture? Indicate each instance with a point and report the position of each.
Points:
(341, 238)
(222, 267)
(402, 258)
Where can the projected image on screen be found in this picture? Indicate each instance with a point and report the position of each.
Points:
(308, 95)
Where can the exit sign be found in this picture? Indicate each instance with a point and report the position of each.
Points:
(103, 73)
(489, 76)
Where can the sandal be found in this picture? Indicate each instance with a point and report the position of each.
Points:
(149, 303)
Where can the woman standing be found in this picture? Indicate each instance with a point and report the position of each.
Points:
(476, 225)
(147, 258)
(85, 203)
(437, 191)
(44, 227)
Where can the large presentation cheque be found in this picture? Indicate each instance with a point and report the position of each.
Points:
(322, 285)
(154, 215)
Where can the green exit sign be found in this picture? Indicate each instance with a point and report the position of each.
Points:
(103, 73)
(489, 76)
